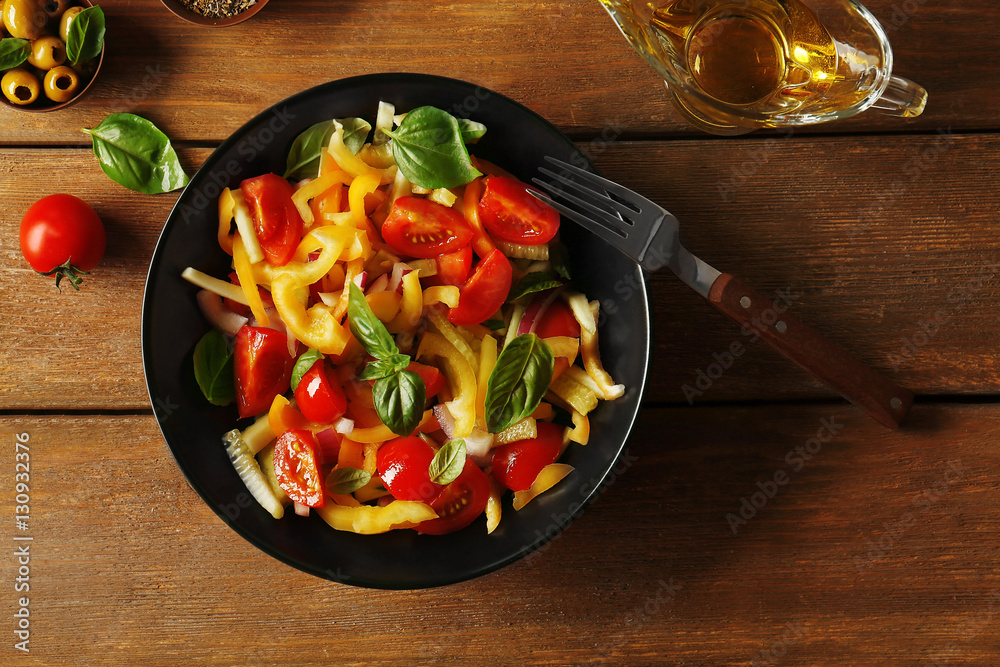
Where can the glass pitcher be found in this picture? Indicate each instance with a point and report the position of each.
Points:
(733, 66)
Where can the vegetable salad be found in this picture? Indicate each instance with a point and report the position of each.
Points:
(398, 330)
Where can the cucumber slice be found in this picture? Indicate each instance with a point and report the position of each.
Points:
(249, 471)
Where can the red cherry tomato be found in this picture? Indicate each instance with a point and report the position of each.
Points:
(485, 290)
(418, 227)
(434, 379)
(320, 399)
(558, 320)
(460, 502)
(262, 366)
(452, 268)
(61, 235)
(297, 467)
(275, 218)
(403, 465)
(517, 464)
(511, 214)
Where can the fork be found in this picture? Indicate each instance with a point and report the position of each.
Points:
(650, 235)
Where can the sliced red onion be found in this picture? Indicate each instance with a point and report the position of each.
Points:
(536, 310)
(220, 317)
(399, 269)
(329, 444)
(344, 426)
(447, 422)
(477, 443)
(379, 284)
(301, 510)
(361, 279)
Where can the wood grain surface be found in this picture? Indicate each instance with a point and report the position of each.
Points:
(757, 519)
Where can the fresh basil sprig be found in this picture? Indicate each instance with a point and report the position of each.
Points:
(429, 149)
(86, 35)
(303, 364)
(136, 154)
(471, 130)
(346, 480)
(531, 283)
(399, 394)
(213, 368)
(518, 382)
(304, 155)
(448, 462)
(13, 52)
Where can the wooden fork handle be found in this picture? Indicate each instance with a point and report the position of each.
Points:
(770, 319)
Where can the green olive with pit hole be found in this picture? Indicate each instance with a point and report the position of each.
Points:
(61, 84)
(20, 86)
(55, 8)
(47, 52)
(66, 20)
(24, 18)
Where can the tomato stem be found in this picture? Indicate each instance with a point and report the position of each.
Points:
(68, 271)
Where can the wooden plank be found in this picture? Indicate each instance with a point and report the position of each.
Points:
(830, 244)
(565, 60)
(872, 547)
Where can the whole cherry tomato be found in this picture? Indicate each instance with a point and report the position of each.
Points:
(484, 291)
(460, 502)
(297, 467)
(61, 235)
(263, 368)
(275, 218)
(517, 464)
(510, 213)
(319, 398)
(419, 227)
(403, 465)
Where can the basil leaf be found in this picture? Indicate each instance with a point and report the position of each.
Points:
(530, 283)
(13, 52)
(303, 364)
(303, 156)
(471, 130)
(559, 260)
(399, 401)
(381, 368)
(355, 132)
(448, 462)
(86, 35)
(136, 154)
(518, 382)
(346, 480)
(367, 328)
(429, 150)
(213, 368)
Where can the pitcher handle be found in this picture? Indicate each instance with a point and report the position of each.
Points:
(901, 98)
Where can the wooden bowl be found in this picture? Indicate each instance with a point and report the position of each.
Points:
(179, 9)
(36, 107)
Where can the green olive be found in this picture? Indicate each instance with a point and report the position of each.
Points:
(61, 84)
(20, 86)
(55, 8)
(47, 52)
(24, 18)
(66, 19)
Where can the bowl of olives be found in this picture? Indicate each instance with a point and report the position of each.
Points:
(50, 52)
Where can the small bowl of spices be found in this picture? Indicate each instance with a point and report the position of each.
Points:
(214, 13)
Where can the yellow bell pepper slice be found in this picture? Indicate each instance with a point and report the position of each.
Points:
(329, 240)
(549, 476)
(362, 185)
(580, 433)
(384, 304)
(245, 226)
(351, 163)
(315, 188)
(461, 378)
(381, 433)
(227, 207)
(494, 506)
(315, 327)
(487, 361)
(248, 282)
(411, 309)
(371, 520)
(446, 294)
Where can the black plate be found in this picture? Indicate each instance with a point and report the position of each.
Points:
(517, 139)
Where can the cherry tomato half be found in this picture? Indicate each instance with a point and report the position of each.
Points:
(460, 502)
(485, 290)
(517, 464)
(511, 214)
(61, 235)
(558, 320)
(297, 467)
(262, 366)
(403, 465)
(320, 399)
(418, 227)
(453, 267)
(275, 218)
(434, 380)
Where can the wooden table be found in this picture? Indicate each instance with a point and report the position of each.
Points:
(761, 521)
